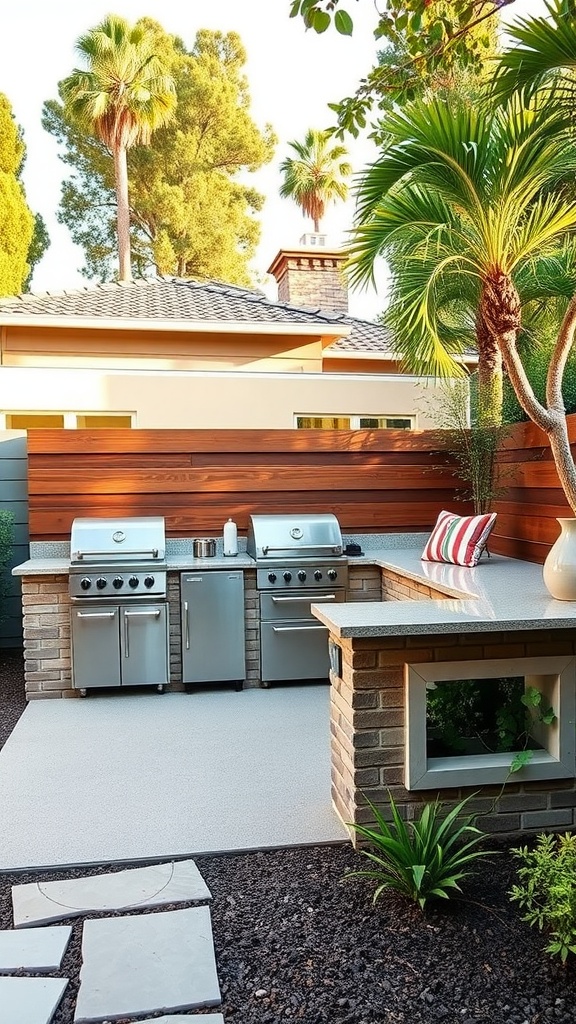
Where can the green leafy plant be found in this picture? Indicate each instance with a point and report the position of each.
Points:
(547, 890)
(420, 859)
(6, 541)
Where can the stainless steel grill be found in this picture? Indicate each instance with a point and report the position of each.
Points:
(117, 586)
(299, 562)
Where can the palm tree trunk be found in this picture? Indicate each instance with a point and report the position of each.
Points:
(552, 419)
(122, 214)
(490, 394)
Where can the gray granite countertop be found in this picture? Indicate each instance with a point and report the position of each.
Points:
(498, 594)
(59, 566)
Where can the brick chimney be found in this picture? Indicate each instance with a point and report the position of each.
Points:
(311, 276)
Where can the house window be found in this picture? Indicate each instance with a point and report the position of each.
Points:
(355, 422)
(460, 744)
(32, 420)
(386, 422)
(98, 422)
(323, 422)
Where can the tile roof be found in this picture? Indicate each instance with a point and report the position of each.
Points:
(173, 298)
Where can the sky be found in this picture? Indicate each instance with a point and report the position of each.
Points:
(292, 76)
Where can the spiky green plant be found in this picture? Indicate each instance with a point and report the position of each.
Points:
(420, 859)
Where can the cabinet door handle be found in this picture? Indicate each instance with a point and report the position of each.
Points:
(126, 636)
(95, 615)
(309, 599)
(187, 624)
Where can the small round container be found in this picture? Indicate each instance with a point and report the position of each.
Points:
(204, 547)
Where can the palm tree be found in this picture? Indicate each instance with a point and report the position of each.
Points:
(123, 95)
(543, 54)
(462, 202)
(316, 175)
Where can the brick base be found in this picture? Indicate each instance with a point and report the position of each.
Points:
(368, 741)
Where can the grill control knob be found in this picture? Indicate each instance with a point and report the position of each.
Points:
(332, 574)
(272, 577)
(148, 581)
(86, 583)
(101, 582)
(317, 575)
(133, 582)
(117, 582)
(287, 576)
(301, 575)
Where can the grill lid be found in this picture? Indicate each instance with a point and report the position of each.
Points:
(137, 539)
(294, 536)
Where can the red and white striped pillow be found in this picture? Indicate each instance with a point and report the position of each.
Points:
(458, 539)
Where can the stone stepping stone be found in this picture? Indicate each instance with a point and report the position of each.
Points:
(37, 949)
(39, 903)
(198, 1018)
(147, 964)
(30, 1000)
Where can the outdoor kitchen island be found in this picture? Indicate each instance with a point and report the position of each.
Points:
(438, 622)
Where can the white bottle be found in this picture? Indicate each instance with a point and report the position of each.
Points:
(230, 538)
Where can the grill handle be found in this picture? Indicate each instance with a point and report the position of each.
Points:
(336, 549)
(127, 553)
(307, 600)
(297, 629)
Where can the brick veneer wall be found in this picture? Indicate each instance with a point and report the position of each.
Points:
(399, 588)
(46, 611)
(364, 583)
(367, 721)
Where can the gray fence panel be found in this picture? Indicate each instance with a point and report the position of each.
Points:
(14, 498)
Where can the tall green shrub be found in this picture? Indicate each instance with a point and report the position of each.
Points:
(6, 541)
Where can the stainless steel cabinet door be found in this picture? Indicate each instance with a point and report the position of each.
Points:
(294, 649)
(96, 646)
(213, 627)
(144, 645)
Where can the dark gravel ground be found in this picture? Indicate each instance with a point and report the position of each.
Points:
(295, 942)
(12, 699)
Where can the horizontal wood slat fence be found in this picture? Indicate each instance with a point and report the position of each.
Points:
(532, 498)
(374, 481)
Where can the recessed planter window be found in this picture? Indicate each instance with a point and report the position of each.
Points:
(467, 721)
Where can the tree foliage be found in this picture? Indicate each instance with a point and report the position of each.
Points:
(316, 175)
(191, 213)
(16, 219)
(122, 95)
(463, 201)
(423, 43)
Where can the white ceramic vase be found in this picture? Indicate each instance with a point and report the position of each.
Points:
(560, 564)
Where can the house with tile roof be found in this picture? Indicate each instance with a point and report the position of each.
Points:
(165, 352)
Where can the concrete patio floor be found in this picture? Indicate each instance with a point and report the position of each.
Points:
(137, 776)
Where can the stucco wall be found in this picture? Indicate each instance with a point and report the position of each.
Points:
(160, 399)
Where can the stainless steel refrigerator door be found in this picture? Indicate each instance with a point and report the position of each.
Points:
(144, 645)
(95, 646)
(213, 634)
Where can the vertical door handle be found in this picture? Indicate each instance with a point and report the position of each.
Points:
(126, 636)
(187, 624)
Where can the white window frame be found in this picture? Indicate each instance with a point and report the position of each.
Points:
(555, 677)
